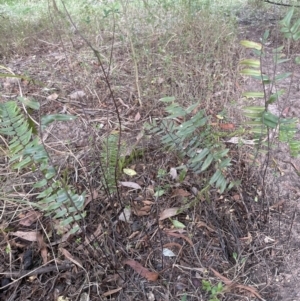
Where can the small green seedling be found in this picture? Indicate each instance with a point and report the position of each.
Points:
(237, 259)
(213, 290)
(8, 249)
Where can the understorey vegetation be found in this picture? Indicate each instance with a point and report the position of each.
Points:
(139, 144)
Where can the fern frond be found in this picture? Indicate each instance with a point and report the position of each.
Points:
(109, 161)
(14, 124)
(194, 139)
(25, 150)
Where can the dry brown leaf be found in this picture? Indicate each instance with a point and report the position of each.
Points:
(227, 126)
(277, 205)
(43, 247)
(247, 239)
(98, 231)
(15, 244)
(133, 234)
(169, 213)
(131, 185)
(236, 197)
(53, 96)
(111, 278)
(223, 278)
(91, 197)
(151, 276)
(30, 236)
(122, 102)
(180, 236)
(68, 255)
(150, 190)
(180, 192)
(147, 202)
(142, 210)
(137, 116)
(202, 224)
(285, 111)
(172, 244)
(111, 292)
(29, 218)
(251, 290)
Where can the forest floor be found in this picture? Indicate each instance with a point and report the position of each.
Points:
(248, 239)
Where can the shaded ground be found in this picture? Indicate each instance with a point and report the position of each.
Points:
(228, 237)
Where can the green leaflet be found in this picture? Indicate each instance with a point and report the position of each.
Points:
(250, 44)
(251, 63)
(254, 94)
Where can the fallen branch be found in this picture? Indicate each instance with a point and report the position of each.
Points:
(37, 271)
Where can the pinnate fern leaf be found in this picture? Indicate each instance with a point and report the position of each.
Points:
(25, 150)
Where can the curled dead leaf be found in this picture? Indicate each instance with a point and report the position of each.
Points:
(137, 267)
(277, 205)
(236, 197)
(29, 218)
(111, 292)
(137, 116)
(202, 224)
(43, 247)
(171, 233)
(30, 236)
(227, 126)
(131, 185)
(89, 197)
(169, 213)
(68, 256)
(180, 192)
(143, 208)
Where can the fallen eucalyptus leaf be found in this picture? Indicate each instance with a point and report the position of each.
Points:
(168, 213)
(131, 185)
